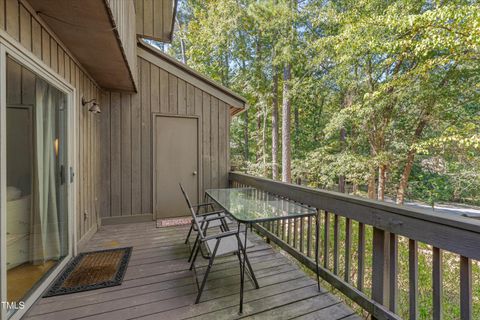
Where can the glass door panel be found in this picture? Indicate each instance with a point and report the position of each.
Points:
(37, 199)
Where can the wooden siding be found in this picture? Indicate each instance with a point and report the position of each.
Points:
(155, 19)
(126, 138)
(19, 20)
(181, 70)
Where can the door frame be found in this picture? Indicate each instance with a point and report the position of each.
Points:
(154, 158)
(11, 47)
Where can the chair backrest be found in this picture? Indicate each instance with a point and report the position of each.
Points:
(192, 210)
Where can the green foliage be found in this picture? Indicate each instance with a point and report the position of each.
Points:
(431, 187)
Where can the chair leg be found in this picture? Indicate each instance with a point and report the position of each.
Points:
(224, 224)
(189, 232)
(195, 256)
(204, 281)
(193, 249)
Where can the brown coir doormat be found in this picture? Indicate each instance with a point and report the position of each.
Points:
(92, 270)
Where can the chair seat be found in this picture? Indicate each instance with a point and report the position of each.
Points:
(228, 245)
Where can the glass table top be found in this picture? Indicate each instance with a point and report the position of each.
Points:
(249, 205)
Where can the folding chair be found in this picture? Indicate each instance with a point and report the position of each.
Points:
(217, 245)
(222, 223)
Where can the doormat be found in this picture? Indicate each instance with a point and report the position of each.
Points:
(171, 222)
(92, 270)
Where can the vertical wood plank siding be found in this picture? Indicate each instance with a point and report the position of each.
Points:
(19, 20)
(130, 153)
(154, 19)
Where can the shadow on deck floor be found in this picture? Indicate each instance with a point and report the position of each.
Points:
(158, 284)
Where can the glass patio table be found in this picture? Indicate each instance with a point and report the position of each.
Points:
(249, 206)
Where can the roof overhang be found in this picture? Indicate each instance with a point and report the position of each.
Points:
(236, 102)
(88, 30)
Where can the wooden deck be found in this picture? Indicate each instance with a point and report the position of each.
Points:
(158, 284)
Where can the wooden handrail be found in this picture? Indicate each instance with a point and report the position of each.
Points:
(438, 229)
(443, 232)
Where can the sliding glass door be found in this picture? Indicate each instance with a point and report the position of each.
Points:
(37, 219)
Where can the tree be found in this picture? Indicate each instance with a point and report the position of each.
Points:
(286, 126)
(275, 130)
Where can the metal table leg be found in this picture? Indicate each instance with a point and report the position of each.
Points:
(317, 234)
(242, 276)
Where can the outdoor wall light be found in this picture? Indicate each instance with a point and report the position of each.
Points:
(95, 108)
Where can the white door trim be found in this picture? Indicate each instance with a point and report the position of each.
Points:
(27, 59)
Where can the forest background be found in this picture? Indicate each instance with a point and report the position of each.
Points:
(371, 97)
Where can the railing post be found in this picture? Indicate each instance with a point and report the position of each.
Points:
(437, 282)
(465, 288)
(413, 278)
(361, 255)
(393, 272)
(380, 266)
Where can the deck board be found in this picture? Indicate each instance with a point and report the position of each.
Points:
(159, 285)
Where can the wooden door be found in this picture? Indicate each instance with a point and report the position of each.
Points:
(175, 160)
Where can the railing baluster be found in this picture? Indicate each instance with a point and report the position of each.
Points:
(278, 227)
(413, 277)
(361, 255)
(336, 243)
(283, 229)
(437, 271)
(326, 258)
(302, 235)
(309, 236)
(465, 288)
(380, 266)
(295, 232)
(289, 225)
(393, 272)
(348, 244)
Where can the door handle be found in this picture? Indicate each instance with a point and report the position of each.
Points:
(194, 173)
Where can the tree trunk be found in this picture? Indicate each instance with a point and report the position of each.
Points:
(402, 186)
(275, 127)
(382, 180)
(258, 154)
(347, 102)
(341, 178)
(296, 128)
(264, 140)
(371, 185)
(286, 123)
(407, 169)
(182, 42)
(245, 137)
(354, 188)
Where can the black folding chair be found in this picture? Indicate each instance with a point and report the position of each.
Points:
(217, 245)
(222, 223)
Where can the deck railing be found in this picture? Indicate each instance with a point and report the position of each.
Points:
(359, 248)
